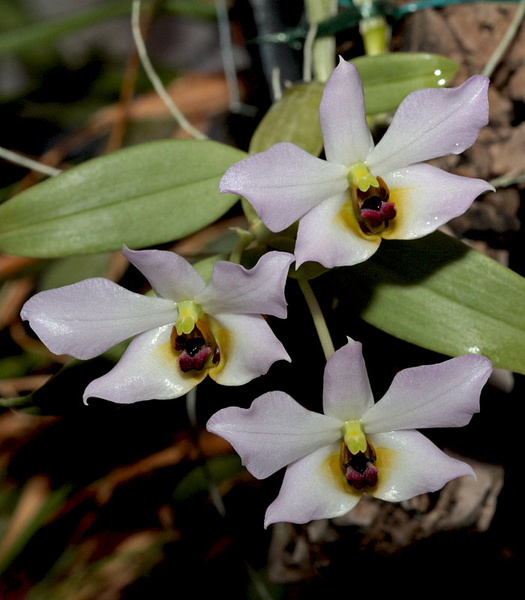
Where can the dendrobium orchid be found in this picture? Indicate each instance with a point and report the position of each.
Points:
(356, 446)
(362, 193)
(188, 331)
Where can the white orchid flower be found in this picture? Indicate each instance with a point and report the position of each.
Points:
(362, 193)
(356, 446)
(188, 331)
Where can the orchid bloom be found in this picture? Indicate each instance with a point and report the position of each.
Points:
(188, 331)
(362, 193)
(356, 446)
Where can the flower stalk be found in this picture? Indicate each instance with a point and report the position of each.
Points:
(318, 318)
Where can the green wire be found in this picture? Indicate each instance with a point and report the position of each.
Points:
(352, 15)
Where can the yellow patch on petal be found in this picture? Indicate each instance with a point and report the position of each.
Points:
(224, 339)
(385, 461)
(332, 466)
(399, 197)
(385, 458)
(347, 218)
(371, 210)
(169, 356)
(167, 353)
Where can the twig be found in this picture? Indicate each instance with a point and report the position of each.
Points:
(277, 90)
(508, 180)
(228, 62)
(308, 52)
(154, 78)
(29, 163)
(506, 40)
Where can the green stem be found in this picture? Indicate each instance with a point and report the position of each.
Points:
(373, 28)
(213, 490)
(245, 239)
(191, 406)
(376, 34)
(317, 316)
(322, 51)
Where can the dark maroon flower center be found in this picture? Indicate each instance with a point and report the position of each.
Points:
(196, 350)
(374, 210)
(359, 469)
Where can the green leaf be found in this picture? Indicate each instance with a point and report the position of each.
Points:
(442, 295)
(72, 269)
(205, 266)
(147, 194)
(34, 34)
(27, 37)
(198, 480)
(387, 79)
(294, 118)
(18, 365)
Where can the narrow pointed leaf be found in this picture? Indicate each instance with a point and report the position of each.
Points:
(439, 294)
(140, 196)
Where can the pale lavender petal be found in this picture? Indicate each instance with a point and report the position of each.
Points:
(86, 318)
(347, 138)
(441, 395)
(170, 275)
(426, 197)
(326, 236)
(284, 183)
(346, 390)
(410, 464)
(431, 123)
(147, 370)
(248, 348)
(260, 290)
(273, 432)
(313, 488)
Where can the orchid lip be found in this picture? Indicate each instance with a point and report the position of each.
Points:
(197, 349)
(370, 199)
(357, 457)
(374, 212)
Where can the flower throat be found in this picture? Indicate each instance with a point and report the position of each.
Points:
(370, 200)
(357, 457)
(192, 339)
